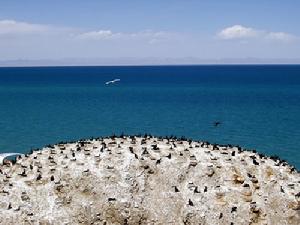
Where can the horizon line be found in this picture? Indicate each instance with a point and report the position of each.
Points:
(154, 65)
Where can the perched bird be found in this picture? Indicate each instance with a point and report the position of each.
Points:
(191, 203)
(176, 189)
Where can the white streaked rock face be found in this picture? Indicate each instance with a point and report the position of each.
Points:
(135, 180)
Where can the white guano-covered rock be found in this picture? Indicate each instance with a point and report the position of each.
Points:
(148, 180)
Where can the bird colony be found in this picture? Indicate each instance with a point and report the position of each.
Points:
(148, 180)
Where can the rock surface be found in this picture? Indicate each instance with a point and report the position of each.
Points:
(148, 180)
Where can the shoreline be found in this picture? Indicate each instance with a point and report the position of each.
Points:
(149, 179)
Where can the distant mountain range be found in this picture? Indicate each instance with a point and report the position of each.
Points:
(142, 61)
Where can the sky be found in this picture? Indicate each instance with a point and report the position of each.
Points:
(178, 30)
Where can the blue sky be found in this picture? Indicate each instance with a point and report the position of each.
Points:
(36, 29)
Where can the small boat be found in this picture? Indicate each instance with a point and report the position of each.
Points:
(112, 81)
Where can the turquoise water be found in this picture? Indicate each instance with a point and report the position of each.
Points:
(258, 106)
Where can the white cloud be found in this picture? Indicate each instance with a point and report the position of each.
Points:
(245, 33)
(98, 35)
(11, 27)
(153, 37)
(148, 35)
(237, 32)
(280, 36)
(36, 41)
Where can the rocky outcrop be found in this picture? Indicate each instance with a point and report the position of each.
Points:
(148, 180)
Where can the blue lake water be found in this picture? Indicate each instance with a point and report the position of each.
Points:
(258, 106)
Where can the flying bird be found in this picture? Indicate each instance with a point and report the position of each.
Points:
(112, 81)
(217, 123)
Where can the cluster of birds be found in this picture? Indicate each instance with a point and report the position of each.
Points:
(3, 156)
(86, 146)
